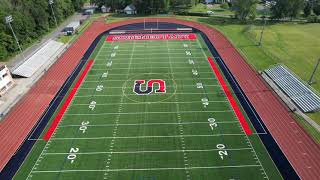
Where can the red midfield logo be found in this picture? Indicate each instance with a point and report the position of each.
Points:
(149, 88)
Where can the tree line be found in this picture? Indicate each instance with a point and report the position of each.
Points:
(31, 20)
(148, 6)
(279, 9)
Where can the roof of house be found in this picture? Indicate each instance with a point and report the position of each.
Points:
(130, 7)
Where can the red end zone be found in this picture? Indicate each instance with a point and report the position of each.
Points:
(64, 107)
(232, 101)
(137, 37)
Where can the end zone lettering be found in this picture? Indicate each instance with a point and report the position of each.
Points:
(130, 37)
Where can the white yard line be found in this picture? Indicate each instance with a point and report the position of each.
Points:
(149, 169)
(146, 124)
(146, 137)
(151, 151)
(115, 74)
(144, 112)
(157, 58)
(149, 103)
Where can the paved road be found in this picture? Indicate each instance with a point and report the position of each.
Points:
(18, 59)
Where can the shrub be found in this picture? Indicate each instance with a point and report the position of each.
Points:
(313, 19)
(225, 6)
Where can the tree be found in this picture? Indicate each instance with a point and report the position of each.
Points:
(307, 9)
(287, 8)
(245, 9)
(316, 8)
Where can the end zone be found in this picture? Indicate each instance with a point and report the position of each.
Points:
(137, 37)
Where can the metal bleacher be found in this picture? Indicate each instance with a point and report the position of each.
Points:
(300, 93)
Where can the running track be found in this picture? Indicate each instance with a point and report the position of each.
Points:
(300, 149)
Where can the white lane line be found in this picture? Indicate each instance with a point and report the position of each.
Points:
(148, 169)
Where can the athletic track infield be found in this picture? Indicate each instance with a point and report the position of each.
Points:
(155, 109)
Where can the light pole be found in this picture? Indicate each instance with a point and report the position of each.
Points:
(9, 20)
(266, 7)
(311, 80)
(55, 20)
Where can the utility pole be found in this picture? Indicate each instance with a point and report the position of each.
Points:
(266, 7)
(9, 20)
(55, 20)
(311, 80)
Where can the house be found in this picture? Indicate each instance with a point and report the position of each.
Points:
(130, 9)
(105, 9)
(6, 81)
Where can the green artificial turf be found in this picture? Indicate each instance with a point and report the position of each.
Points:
(163, 136)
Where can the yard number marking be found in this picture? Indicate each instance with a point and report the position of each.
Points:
(84, 126)
(188, 53)
(116, 47)
(185, 45)
(99, 88)
(212, 123)
(104, 75)
(222, 152)
(109, 64)
(113, 54)
(194, 72)
(199, 85)
(92, 105)
(205, 102)
(191, 61)
(72, 154)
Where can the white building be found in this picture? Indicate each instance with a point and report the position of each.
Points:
(130, 9)
(6, 81)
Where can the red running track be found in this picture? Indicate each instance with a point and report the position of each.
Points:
(300, 149)
(66, 104)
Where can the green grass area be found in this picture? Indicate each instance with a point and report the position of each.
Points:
(216, 9)
(111, 132)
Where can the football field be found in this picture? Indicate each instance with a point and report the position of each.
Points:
(150, 110)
